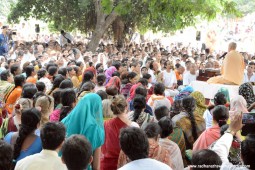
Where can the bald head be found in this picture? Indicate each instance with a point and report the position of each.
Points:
(232, 46)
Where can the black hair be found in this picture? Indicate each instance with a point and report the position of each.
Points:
(206, 157)
(248, 151)
(98, 65)
(139, 103)
(88, 76)
(76, 69)
(41, 73)
(56, 82)
(4, 75)
(6, 155)
(67, 102)
(127, 76)
(28, 90)
(19, 80)
(29, 121)
(88, 86)
(67, 83)
(79, 63)
(102, 94)
(40, 86)
(143, 81)
(159, 89)
(62, 71)
(101, 79)
(49, 65)
(166, 126)
(152, 130)
(69, 69)
(220, 99)
(14, 68)
(76, 152)
(112, 90)
(52, 70)
(161, 112)
(134, 143)
(220, 114)
(57, 97)
(141, 91)
(29, 70)
(52, 134)
(116, 73)
(116, 64)
(189, 105)
(9, 61)
(146, 76)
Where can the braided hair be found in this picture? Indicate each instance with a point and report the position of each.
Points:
(139, 104)
(189, 105)
(29, 121)
(67, 102)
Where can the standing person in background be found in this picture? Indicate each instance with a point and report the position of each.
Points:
(4, 42)
(65, 38)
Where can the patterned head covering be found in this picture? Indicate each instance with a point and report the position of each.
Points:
(184, 93)
(200, 102)
(246, 90)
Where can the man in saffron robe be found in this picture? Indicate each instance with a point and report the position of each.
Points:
(232, 70)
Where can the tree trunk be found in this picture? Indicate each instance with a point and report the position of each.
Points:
(103, 23)
(96, 36)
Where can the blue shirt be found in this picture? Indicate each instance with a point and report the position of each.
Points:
(34, 148)
(3, 44)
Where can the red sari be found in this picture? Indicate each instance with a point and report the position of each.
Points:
(111, 147)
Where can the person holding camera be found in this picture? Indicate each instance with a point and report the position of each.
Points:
(222, 146)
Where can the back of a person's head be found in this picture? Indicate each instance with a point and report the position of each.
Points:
(141, 91)
(88, 86)
(40, 86)
(152, 130)
(147, 76)
(68, 98)
(101, 79)
(4, 75)
(62, 71)
(52, 135)
(112, 90)
(161, 111)
(139, 102)
(143, 81)
(28, 90)
(47, 104)
(19, 80)
(52, 70)
(77, 152)
(248, 151)
(102, 94)
(30, 119)
(118, 105)
(134, 143)
(166, 126)
(159, 89)
(67, 83)
(29, 70)
(206, 159)
(189, 104)
(220, 99)
(6, 155)
(220, 114)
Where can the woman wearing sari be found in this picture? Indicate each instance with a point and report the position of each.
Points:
(200, 102)
(111, 147)
(87, 119)
(220, 117)
(109, 72)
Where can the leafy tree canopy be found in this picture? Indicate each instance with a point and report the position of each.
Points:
(165, 15)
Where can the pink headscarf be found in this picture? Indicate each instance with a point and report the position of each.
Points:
(238, 104)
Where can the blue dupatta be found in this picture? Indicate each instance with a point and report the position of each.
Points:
(87, 119)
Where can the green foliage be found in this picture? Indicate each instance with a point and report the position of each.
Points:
(246, 6)
(158, 15)
(6, 6)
